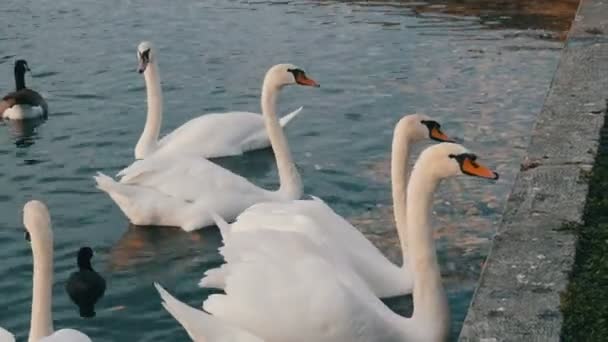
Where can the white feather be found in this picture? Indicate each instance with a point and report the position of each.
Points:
(23, 112)
(201, 326)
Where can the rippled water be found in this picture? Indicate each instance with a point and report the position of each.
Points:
(480, 68)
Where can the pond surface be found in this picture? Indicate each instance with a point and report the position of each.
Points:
(481, 68)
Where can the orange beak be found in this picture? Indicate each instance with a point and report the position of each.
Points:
(472, 168)
(437, 134)
(302, 79)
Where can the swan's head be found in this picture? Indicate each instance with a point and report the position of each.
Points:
(448, 160)
(145, 56)
(21, 66)
(281, 75)
(37, 220)
(420, 127)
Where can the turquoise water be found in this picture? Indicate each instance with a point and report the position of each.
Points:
(483, 74)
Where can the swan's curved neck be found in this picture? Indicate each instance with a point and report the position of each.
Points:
(289, 177)
(148, 142)
(19, 79)
(41, 323)
(399, 157)
(430, 301)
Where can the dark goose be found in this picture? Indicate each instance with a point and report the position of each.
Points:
(23, 103)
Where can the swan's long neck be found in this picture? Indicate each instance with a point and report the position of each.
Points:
(19, 80)
(149, 137)
(430, 301)
(289, 177)
(399, 157)
(41, 323)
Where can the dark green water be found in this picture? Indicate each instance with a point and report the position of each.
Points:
(482, 72)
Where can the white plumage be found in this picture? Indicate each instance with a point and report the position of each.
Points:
(209, 136)
(182, 189)
(282, 286)
(321, 224)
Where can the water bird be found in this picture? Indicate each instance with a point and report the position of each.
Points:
(225, 134)
(321, 224)
(6, 336)
(287, 290)
(182, 190)
(23, 103)
(85, 286)
(37, 222)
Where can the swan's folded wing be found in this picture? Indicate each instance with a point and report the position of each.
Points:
(201, 326)
(297, 297)
(213, 135)
(186, 177)
(313, 218)
(66, 335)
(263, 245)
(321, 224)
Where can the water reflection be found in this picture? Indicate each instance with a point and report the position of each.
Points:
(481, 68)
(552, 15)
(255, 164)
(23, 132)
(145, 247)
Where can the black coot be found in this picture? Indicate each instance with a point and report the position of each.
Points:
(85, 287)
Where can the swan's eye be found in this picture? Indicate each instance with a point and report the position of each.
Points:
(430, 124)
(465, 158)
(145, 55)
(296, 72)
(28, 237)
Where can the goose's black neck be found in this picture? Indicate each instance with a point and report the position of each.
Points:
(19, 78)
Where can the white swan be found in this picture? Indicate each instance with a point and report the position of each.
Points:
(224, 134)
(6, 336)
(182, 190)
(281, 293)
(321, 224)
(37, 223)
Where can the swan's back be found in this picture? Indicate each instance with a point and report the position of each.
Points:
(288, 294)
(321, 224)
(213, 135)
(192, 179)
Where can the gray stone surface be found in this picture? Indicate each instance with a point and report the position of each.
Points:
(518, 297)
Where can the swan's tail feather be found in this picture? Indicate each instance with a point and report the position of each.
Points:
(221, 224)
(105, 183)
(214, 278)
(120, 193)
(285, 119)
(191, 319)
(316, 199)
(201, 326)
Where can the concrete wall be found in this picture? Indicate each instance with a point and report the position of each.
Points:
(518, 297)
